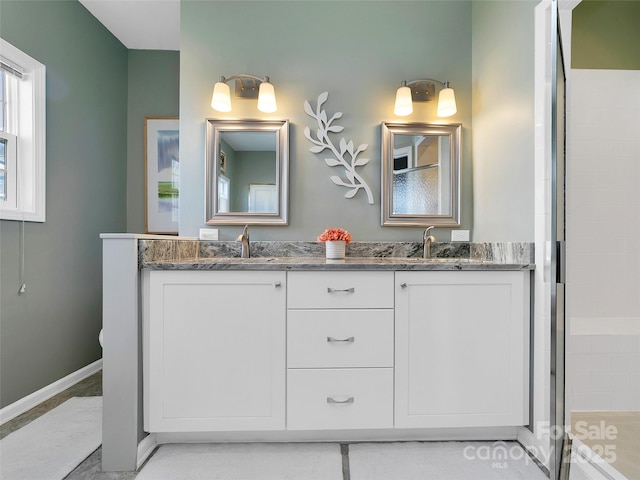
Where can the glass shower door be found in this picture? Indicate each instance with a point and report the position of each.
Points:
(558, 469)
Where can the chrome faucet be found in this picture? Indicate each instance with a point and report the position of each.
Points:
(427, 240)
(244, 238)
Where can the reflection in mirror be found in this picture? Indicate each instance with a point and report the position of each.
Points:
(247, 172)
(420, 174)
(249, 160)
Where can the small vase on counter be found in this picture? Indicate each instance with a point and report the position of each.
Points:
(335, 249)
(336, 240)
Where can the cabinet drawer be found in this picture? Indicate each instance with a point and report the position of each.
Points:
(339, 338)
(340, 290)
(340, 399)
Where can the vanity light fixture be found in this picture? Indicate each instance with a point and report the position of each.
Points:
(424, 91)
(246, 86)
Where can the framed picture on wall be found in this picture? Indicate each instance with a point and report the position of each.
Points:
(162, 174)
(223, 161)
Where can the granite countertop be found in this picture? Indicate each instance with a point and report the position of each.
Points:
(320, 263)
(199, 255)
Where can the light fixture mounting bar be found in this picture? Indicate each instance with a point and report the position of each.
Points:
(424, 90)
(246, 85)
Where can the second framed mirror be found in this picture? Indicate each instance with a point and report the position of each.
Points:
(421, 174)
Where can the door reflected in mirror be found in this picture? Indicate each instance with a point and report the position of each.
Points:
(420, 174)
(247, 172)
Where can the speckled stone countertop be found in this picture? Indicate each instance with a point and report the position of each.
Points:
(278, 255)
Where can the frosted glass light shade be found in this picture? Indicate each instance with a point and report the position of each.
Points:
(404, 105)
(446, 103)
(221, 98)
(267, 98)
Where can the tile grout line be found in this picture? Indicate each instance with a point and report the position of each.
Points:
(346, 472)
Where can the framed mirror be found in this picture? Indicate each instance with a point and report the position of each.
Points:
(247, 171)
(421, 174)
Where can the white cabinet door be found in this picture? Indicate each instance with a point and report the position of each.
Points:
(214, 351)
(462, 349)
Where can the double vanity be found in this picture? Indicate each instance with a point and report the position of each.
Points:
(299, 344)
(286, 346)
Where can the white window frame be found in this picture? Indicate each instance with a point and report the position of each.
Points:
(29, 132)
(10, 166)
(224, 196)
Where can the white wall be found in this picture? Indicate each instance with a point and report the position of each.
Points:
(603, 228)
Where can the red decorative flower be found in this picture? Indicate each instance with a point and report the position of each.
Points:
(333, 234)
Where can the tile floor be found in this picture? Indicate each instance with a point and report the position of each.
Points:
(90, 469)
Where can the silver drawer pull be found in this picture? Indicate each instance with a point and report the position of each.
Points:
(277, 284)
(404, 285)
(343, 402)
(339, 290)
(341, 340)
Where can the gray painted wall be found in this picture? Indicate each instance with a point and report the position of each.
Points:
(358, 51)
(52, 330)
(154, 82)
(503, 121)
(254, 167)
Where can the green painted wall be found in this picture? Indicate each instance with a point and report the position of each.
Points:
(606, 35)
(154, 83)
(254, 167)
(52, 330)
(503, 121)
(359, 52)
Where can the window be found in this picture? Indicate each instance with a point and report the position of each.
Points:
(223, 194)
(22, 136)
(3, 169)
(7, 167)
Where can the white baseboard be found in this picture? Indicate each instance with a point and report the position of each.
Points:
(145, 448)
(19, 407)
(373, 435)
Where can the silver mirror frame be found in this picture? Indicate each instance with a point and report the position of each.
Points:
(212, 158)
(388, 131)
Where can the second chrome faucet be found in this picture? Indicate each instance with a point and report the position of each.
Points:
(427, 240)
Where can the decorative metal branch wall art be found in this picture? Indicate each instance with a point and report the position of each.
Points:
(344, 154)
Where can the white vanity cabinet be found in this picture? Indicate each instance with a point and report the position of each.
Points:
(339, 350)
(461, 348)
(286, 353)
(214, 350)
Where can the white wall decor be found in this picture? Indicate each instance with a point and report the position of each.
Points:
(345, 155)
